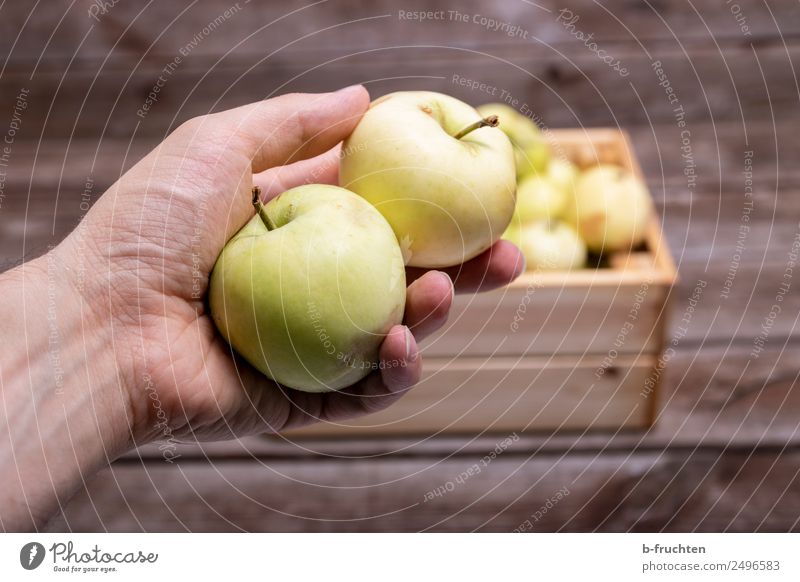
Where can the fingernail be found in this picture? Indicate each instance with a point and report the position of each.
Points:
(524, 266)
(355, 87)
(450, 281)
(408, 338)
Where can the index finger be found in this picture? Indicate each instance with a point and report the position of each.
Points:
(496, 267)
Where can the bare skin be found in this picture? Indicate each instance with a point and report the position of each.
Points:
(106, 339)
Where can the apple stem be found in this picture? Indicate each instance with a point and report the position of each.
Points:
(491, 121)
(261, 209)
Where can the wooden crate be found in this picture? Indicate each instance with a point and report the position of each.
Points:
(554, 350)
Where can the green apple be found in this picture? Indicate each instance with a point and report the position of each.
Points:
(531, 151)
(532, 160)
(551, 245)
(521, 130)
(512, 233)
(443, 181)
(563, 174)
(610, 208)
(307, 290)
(538, 198)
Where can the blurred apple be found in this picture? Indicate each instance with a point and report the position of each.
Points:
(531, 150)
(610, 208)
(563, 174)
(521, 130)
(538, 198)
(512, 233)
(551, 246)
(532, 160)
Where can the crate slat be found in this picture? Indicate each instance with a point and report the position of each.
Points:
(507, 395)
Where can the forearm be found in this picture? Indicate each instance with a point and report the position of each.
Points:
(62, 416)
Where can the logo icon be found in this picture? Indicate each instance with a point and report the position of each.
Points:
(31, 555)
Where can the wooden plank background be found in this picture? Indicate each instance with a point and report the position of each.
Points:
(725, 452)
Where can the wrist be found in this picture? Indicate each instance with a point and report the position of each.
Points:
(65, 412)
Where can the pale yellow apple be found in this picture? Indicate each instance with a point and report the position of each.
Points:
(447, 199)
(610, 208)
(531, 150)
(532, 160)
(512, 233)
(538, 198)
(520, 129)
(551, 246)
(309, 302)
(563, 174)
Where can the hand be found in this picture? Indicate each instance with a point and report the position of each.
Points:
(158, 369)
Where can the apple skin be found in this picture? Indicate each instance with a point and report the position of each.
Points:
(447, 199)
(551, 246)
(610, 208)
(521, 130)
(563, 174)
(531, 150)
(532, 160)
(538, 198)
(512, 233)
(309, 303)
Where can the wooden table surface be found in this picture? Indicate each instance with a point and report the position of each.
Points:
(724, 453)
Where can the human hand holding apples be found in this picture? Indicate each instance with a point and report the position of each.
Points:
(156, 235)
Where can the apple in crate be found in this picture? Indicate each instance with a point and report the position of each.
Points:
(563, 174)
(531, 151)
(550, 245)
(539, 198)
(610, 208)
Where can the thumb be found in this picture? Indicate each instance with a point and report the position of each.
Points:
(291, 127)
(263, 135)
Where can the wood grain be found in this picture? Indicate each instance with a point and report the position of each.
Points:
(692, 490)
(56, 31)
(513, 395)
(723, 454)
(712, 396)
(566, 91)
